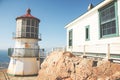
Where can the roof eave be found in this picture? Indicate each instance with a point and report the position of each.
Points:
(28, 17)
(88, 12)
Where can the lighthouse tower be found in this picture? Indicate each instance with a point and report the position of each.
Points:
(24, 57)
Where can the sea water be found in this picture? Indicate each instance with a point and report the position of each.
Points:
(4, 59)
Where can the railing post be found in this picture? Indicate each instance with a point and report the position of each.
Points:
(84, 51)
(108, 52)
(71, 48)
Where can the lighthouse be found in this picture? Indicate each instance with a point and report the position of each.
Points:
(24, 57)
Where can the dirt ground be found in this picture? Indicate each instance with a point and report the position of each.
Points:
(4, 76)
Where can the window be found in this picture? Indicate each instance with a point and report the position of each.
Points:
(87, 37)
(108, 21)
(33, 22)
(36, 35)
(28, 21)
(27, 29)
(32, 29)
(36, 24)
(27, 35)
(32, 35)
(23, 22)
(23, 31)
(70, 37)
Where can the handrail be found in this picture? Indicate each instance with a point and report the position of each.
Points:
(23, 52)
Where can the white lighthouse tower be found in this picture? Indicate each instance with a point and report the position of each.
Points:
(24, 58)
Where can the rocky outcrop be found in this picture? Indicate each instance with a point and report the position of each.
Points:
(66, 66)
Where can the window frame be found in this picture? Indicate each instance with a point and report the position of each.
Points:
(29, 30)
(70, 38)
(101, 35)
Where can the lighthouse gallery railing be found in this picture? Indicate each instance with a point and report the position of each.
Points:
(23, 52)
(29, 35)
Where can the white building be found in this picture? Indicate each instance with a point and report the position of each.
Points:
(24, 57)
(97, 31)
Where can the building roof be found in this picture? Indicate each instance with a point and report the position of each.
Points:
(27, 15)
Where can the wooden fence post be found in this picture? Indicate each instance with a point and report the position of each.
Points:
(84, 51)
(108, 52)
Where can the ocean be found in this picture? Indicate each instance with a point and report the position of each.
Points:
(4, 56)
(4, 59)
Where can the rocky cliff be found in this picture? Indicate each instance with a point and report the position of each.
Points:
(66, 66)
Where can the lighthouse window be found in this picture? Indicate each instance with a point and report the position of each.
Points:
(36, 36)
(33, 22)
(28, 35)
(36, 30)
(27, 29)
(32, 35)
(28, 21)
(23, 22)
(32, 29)
(36, 24)
(23, 29)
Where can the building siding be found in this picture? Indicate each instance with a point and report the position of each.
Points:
(95, 44)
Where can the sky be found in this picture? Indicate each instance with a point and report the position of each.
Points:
(53, 14)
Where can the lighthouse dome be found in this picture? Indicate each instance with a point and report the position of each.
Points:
(27, 15)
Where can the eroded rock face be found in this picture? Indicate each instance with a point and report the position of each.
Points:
(66, 66)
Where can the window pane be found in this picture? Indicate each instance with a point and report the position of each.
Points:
(86, 33)
(27, 29)
(70, 38)
(107, 14)
(32, 29)
(28, 21)
(32, 35)
(36, 35)
(112, 11)
(108, 28)
(36, 30)
(23, 22)
(23, 32)
(33, 22)
(36, 24)
(27, 35)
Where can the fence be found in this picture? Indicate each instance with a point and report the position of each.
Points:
(23, 52)
(108, 51)
(20, 34)
(3, 65)
(59, 49)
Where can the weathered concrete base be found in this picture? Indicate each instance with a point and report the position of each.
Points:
(23, 66)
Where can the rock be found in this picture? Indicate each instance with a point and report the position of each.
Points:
(66, 66)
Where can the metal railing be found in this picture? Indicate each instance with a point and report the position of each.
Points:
(30, 35)
(59, 49)
(3, 65)
(23, 52)
(42, 53)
